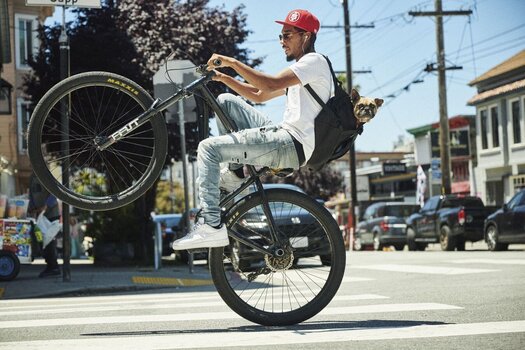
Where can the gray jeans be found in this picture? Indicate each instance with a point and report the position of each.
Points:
(257, 143)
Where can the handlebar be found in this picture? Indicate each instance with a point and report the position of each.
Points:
(203, 68)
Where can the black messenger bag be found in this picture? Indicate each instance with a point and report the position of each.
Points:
(335, 127)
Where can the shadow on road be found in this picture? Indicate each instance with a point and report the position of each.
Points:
(309, 327)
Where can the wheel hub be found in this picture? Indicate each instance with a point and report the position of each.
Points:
(282, 263)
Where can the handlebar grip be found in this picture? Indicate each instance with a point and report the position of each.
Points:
(217, 62)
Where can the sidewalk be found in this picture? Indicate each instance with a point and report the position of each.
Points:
(87, 279)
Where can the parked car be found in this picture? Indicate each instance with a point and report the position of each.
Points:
(506, 225)
(168, 226)
(290, 220)
(383, 224)
(450, 220)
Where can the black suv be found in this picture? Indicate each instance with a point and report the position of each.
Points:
(506, 225)
(383, 224)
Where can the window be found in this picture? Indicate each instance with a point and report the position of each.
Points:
(516, 121)
(431, 204)
(24, 110)
(515, 200)
(25, 39)
(5, 97)
(494, 126)
(484, 131)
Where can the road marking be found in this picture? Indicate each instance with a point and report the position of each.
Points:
(167, 281)
(347, 279)
(490, 261)
(433, 270)
(176, 304)
(206, 316)
(268, 336)
(95, 299)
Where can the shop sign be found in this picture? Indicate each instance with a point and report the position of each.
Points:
(75, 3)
(394, 168)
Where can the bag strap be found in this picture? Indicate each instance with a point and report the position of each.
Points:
(313, 93)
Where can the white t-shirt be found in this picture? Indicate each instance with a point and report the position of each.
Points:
(301, 107)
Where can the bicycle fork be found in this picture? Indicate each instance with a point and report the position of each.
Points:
(280, 244)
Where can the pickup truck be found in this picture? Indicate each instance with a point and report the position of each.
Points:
(450, 220)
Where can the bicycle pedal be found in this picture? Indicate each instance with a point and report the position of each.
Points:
(284, 172)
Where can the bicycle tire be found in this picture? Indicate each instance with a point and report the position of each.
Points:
(100, 102)
(311, 219)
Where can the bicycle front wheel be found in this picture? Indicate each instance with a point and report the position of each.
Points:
(286, 290)
(98, 104)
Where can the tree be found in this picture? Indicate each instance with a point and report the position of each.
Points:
(133, 38)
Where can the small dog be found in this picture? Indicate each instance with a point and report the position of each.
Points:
(365, 108)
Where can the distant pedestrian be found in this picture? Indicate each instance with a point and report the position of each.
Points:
(40, 200)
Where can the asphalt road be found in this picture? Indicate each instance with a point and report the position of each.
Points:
(388, 300)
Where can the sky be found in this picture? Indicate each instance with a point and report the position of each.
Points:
(396, 50)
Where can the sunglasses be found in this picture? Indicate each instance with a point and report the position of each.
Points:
(287, 36)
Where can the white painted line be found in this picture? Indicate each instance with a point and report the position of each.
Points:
(359, 297)
(433, 270)
(125, 306)
(269, 337)
(490, 261)
(164, 300)
(204, 316)
(76, 300)
(347, 279)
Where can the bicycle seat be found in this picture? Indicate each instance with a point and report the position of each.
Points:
(284, 172)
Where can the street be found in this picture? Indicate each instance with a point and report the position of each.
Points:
(388, 300)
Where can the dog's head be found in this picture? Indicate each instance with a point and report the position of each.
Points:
(365, 108)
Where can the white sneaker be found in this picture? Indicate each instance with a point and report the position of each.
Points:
(229, 181)
(203, 236)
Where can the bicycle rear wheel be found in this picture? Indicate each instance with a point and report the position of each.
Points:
(100, 103)
(280, 291)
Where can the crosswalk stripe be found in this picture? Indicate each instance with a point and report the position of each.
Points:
(347, 279)
(490, 261)
(76, 300)
(206, 316)
(269, 337)
(434, 270)
(124, 306)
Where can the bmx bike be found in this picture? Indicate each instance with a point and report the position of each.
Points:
(116, 145)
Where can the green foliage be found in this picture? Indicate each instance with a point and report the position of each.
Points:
(118, 226)
(318, 184)
(133, 38)
(163, 200)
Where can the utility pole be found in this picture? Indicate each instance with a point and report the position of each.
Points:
(353, 190)
(351, 153)
(65, 112)
(444, 147)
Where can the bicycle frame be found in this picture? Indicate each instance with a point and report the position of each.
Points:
(199, 86)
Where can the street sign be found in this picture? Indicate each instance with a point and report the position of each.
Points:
(75, 3)
(168, 80)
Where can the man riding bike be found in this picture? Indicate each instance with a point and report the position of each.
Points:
(287, 145)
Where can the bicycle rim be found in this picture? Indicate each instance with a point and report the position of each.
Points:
(99, 104)
(291, 289)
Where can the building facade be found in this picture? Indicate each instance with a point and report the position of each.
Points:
(19, 41)
(500, 130)
(462, 154)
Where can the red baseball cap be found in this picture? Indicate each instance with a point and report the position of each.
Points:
(302, 19)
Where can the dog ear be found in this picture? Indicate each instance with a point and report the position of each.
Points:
(378, 102)
(354, 96)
